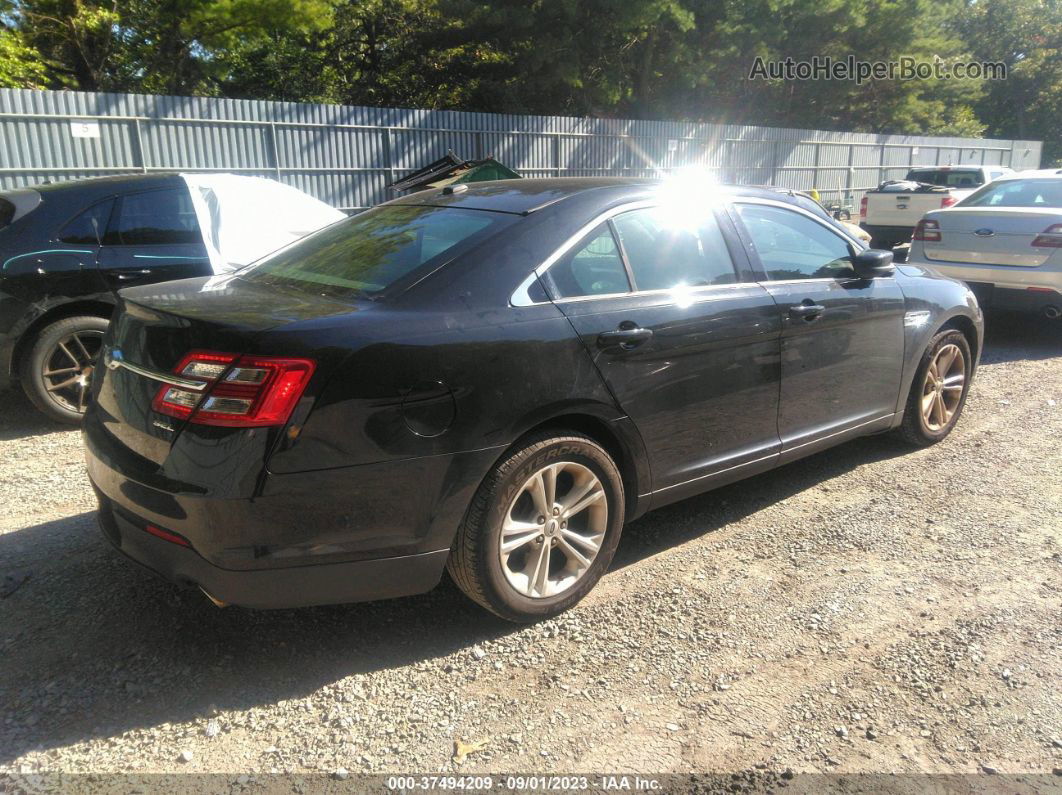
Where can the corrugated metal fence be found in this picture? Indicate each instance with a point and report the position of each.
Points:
(347, 155)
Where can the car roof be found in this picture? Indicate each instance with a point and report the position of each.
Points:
(527, 196)
(105, 185)
(958, 167)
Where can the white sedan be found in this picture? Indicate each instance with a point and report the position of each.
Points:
(1004, 240)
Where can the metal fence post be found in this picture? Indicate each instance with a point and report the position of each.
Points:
(276, 149)
(140, 146)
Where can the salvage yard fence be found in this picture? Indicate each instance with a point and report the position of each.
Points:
(347, 156)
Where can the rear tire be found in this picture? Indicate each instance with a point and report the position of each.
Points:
(554, 551)
(939, 390)
(57, 367)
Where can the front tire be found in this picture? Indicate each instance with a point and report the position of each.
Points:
(542, 529)
(57, 368)
(939, 390)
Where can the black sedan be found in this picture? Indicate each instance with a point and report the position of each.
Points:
(494, 379)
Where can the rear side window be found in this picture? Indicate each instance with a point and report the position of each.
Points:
(593, 267)
(7, 212)
(372, 251)
(792, 246)
(154, 218)
(82, 229)
(665, 252)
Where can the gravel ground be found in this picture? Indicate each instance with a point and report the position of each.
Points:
(869, 609)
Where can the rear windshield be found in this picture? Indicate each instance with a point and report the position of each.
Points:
(948, 177)
(365, 255)
(7, 212)
(1017, 193)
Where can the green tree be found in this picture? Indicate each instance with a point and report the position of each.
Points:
(1026, 35)
(21, 66)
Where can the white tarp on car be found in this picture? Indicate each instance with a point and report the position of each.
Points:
(245, 218)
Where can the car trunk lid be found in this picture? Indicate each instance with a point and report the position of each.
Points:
(992, 235)
(154, 328)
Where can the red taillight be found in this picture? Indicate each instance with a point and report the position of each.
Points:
(947, 201)
(927, 230)
(863, 207)
(1049, 238)
(166, 535)
(237, 391)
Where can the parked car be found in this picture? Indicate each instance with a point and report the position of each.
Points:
(839, 216)
(65, 248)
(890, 212)
(1005, 241)
(495, 378)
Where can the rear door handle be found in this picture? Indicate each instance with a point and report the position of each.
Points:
(807, 311)
(625, 338)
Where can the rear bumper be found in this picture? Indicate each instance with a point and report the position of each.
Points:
(351, 534)
(899, 234)
(1006, 287)
(1013, 299)
(294, 586)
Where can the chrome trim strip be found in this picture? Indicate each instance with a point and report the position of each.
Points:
(114, 362)
(818, 439)
(521, 297)
(691, 292)
(719, 472)
(781, 452)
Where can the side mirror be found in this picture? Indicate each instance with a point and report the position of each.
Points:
(873, 263)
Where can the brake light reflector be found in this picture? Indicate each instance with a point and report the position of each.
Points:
(166, 535)
(236, 391)
(863, 207)
(928, 230)
(1049, 238)
(947, 201)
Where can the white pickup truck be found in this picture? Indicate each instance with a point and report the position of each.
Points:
(889, 213)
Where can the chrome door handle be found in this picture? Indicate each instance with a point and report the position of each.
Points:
(625, 338)
(806, 311)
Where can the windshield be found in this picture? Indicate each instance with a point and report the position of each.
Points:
(948, 177)
(1017, 193)
(367, 254)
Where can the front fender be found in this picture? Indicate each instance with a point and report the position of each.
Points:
(933, 301)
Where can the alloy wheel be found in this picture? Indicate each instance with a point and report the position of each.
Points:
(553, 530)
(943, 387)
(68, 367)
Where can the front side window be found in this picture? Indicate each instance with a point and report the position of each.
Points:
(665, 251)
(792, 246)
(368, 253)
(88, 227)
(1017, 193)
(155, 217)
(594, 266)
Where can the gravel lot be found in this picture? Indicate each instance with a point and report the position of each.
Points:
(870, 609)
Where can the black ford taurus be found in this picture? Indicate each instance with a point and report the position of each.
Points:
(494, 379)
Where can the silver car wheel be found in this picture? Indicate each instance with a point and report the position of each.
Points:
(553, 530)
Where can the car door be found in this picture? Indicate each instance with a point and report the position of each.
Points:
(686, 341)
(842, 336)
(153, 236)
